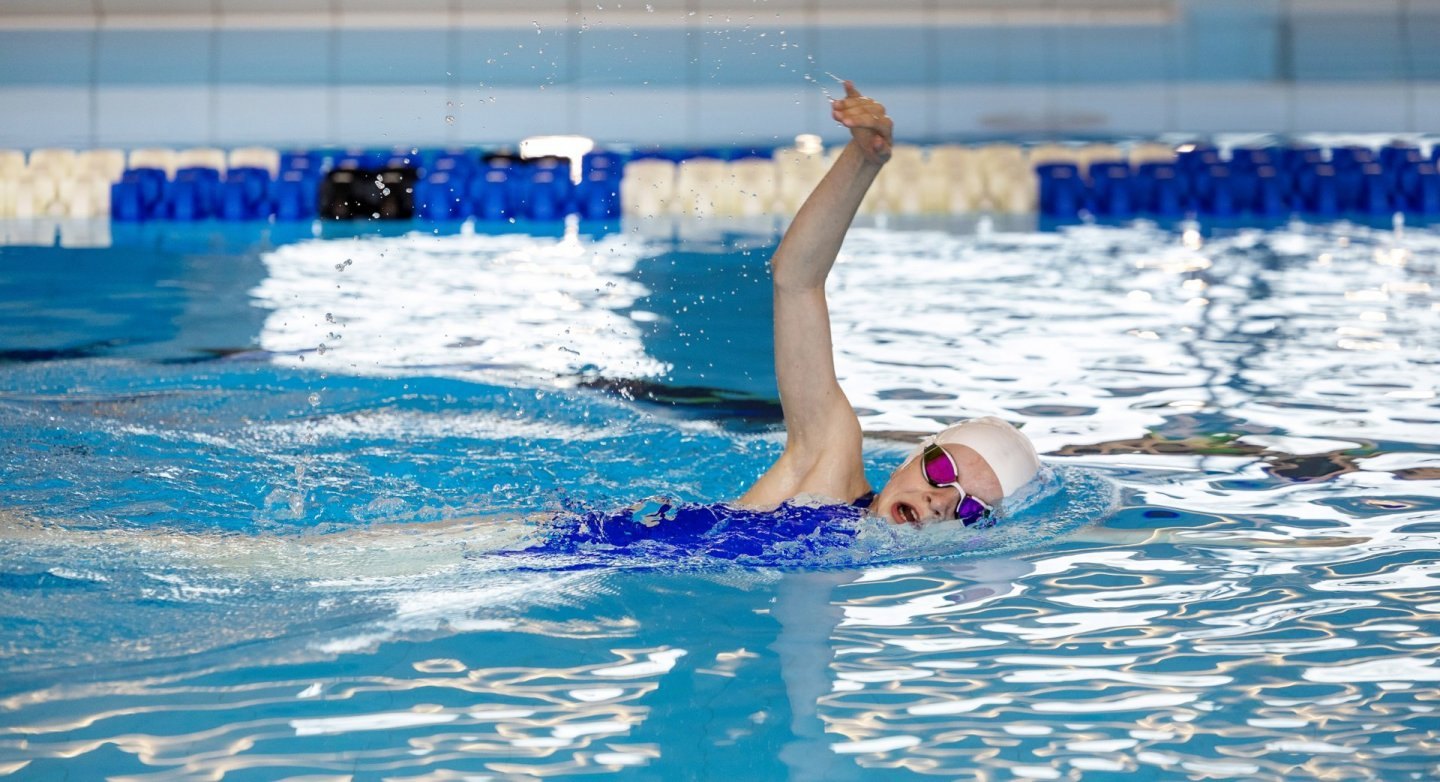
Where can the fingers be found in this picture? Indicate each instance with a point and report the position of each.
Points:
(868, 116)
(850, 91)
(858, 114)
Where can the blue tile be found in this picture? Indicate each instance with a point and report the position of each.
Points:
(162, 57)
(968, 55)
(636, 57)
(1347, 47)
(512, 58)
(1114, 55)
(1422, 30)
(1028, 54)
(59, 57)
(272, 56)
(874, 55)
(1242, 48)
(392, 56)
(751, 57)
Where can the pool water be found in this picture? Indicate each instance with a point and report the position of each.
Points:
(364, 505)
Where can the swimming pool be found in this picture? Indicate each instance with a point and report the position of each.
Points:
(268, 501)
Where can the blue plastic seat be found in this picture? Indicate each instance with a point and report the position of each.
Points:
(1062, 191)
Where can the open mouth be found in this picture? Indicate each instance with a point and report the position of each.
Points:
(904, 513)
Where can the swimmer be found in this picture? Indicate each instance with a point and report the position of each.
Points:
(963, 472)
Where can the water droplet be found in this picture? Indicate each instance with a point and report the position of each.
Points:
(329, 317)
(449, 119)
(322, 349)
(314, 400)
(340, 267)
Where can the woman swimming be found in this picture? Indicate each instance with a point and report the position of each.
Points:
(962, 472)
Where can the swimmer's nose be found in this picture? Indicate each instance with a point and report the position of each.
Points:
(935, 503)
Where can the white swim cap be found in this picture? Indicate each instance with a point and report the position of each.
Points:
(1008, 451)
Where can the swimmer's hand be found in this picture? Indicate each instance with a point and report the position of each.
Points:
(870, 130)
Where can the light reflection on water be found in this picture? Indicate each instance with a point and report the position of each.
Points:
(209, 575)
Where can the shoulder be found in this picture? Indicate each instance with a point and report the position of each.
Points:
(835, 473)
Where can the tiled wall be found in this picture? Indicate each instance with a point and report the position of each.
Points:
(231, 72)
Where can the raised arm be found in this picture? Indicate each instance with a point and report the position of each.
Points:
(823, 444)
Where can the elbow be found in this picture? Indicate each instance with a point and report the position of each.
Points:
(786, 282)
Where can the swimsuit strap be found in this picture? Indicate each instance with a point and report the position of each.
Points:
(864, 500)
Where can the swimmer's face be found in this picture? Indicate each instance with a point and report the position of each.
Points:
(910, 499)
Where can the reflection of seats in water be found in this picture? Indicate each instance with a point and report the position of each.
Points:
(699, 402)
(1295, 468)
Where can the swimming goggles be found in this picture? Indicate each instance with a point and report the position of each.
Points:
(941, 471)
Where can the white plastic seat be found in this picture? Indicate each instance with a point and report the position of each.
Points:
(33, 195)
(53, 162)
(1015, 191)
(907, 155)
(9, 191)
(201, 157)
(152, 157)
(952, 156)
(12, 162)
(997, 155)
(896, 189)
(108, 163)
(797, 172)
(647, 188)
(1151, 152)
(756, 186)
(86, 195)
(255, 157)
(703, 187)
(957, 176)
(1041, 154)
(1100, 153)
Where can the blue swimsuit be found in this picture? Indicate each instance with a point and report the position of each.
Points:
(722, 531)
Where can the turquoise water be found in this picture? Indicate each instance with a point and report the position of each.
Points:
(230, 552)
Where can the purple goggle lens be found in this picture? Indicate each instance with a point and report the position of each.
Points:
(941, 471)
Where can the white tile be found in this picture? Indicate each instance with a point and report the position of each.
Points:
(513, 114)
(274, 116)
(1344, 108)
(389, 115)
(1222, 108)
(1425, 100)
(991, 110)
(128, 116)
(45, 117)
(1142, 108)
(913, 109)
(755, 116)
(637, 116)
